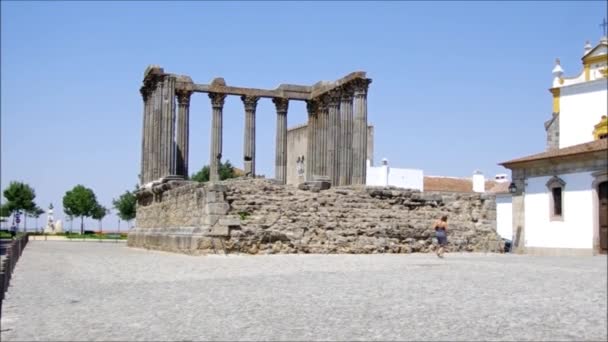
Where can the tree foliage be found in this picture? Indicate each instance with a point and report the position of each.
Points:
(80, 202)
(20, 197)
(4, 211)
(36, 212)
(226, 171)
(99, 212)
(125, 206)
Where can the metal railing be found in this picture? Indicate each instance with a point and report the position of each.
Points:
(10, 251)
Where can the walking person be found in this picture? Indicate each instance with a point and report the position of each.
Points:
(441, 232)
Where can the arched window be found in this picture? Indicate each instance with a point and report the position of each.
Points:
(556, 187)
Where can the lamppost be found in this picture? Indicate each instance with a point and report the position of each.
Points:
(512, 188)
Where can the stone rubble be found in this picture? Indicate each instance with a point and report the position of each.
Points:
(259, 216)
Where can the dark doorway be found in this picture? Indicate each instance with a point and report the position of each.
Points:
(603, 211)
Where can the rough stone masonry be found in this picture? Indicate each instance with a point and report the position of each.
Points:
(261, 216)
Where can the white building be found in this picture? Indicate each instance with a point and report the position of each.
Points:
(560, 196)
(384, 175)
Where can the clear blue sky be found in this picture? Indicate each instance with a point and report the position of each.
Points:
(457, 86)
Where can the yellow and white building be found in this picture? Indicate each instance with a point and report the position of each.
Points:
(559, 200)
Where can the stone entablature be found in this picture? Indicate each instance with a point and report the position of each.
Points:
(591, 162)
(261, 216)
(337, 111)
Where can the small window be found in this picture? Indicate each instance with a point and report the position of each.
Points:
(556, 187)
(557, 201)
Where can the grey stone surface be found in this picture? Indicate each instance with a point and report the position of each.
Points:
(282, 105)
(215, 156)
(250, 103)
(353, 219)
(68, 291)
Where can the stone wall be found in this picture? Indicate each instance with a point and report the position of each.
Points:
(297, 140)
(552, 128)
(259, 216)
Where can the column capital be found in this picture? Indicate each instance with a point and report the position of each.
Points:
(282, 104)
(183, 97)
(312, 106)
(145, 92)
(333, 97)
(250, 102)
(323, 102)
(217, 100)
(360, 86)
(347, 93)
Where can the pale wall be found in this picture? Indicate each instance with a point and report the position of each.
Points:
(504, 216)
(296, 146)
(385, 175)
(376, 176)
(576, 230)
(581, 108)
(297, 139)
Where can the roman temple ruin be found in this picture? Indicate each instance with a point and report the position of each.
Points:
(337, 114)
(328, 210)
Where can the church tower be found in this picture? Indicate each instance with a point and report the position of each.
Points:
(580, 102)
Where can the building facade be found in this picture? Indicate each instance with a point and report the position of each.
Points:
(560, 197)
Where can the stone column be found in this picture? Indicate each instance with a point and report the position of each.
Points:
(144, 137)
(167, 148)
(346, 140)
(322, 138)
(311, 108)
(250, 103)
(156, 129)
(333, 135)
(281, 104)
(360, 131)
(215, 156)
(183, 132)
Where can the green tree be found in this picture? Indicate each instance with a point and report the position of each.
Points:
(226, 171)
(99, 212)
(4, 213)
(35, 213)
(20, 197)
(80, 202)
(125, 206)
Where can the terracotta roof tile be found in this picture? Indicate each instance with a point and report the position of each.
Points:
(452, 184)
(593, 146)
(500, 188)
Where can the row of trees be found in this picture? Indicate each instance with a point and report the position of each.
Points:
(78, 202)
(81, 201)
(20, 199)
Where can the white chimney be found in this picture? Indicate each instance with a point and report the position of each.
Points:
(479, 182)
(501, 178)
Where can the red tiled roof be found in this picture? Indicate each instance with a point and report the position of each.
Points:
(452, 184)
(593, 146)
(500, 188)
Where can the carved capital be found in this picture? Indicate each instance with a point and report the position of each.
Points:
(145, 92)
(250, 102)
(282, 104)
(311, 107)
(183, 97)
(217, 100)
(360, 86)
(347, 93)
(323, 102)
(333, 97)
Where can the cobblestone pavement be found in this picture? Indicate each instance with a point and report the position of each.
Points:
(85, 291)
